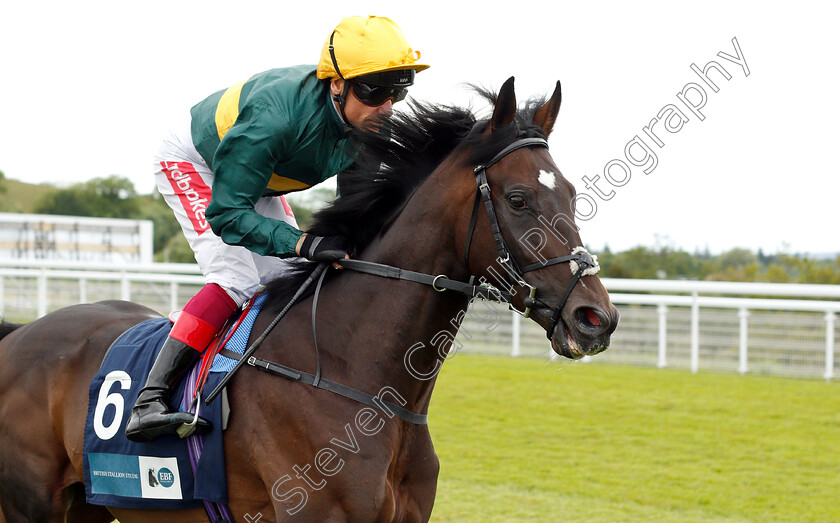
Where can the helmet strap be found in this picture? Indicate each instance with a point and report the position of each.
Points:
(332, 55)
(341, 99)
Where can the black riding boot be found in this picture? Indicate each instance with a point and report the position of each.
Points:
(150, 416)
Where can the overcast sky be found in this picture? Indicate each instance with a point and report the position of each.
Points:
(88, 89)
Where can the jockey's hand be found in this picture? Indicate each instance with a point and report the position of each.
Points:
(323, 248)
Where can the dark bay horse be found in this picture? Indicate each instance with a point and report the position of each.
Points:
(295, 452)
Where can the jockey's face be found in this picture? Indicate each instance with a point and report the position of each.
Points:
(357, 113)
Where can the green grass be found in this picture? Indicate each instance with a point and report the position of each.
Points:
(528, 440)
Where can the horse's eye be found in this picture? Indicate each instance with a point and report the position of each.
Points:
(516, 201)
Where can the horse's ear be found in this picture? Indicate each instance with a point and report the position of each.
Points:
(546, 115)
(505, 109)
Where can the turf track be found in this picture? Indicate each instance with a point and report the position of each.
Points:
(529, 440)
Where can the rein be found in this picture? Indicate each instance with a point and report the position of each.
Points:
(439, 283)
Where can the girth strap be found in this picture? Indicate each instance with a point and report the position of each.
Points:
(331, 386)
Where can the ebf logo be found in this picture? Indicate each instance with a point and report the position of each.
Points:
(165, 477)
(162, 478)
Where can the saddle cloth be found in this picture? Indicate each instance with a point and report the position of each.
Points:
(156, 474)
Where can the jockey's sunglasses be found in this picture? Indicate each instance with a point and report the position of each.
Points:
(376, 95)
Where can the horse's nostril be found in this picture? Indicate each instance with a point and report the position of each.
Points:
(592, 317)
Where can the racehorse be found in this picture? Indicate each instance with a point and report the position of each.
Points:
(444, 195)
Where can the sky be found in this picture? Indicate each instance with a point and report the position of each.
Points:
(89, 88)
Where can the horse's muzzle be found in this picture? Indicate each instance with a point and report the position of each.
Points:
(584, 332)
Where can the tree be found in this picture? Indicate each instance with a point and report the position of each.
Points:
(644, 262)
(737, 258)
(111, 197)
(2, 182)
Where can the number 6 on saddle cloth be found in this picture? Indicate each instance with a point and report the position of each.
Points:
(169, 472)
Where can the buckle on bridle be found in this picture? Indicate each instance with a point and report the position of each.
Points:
(529, 301)
(493, 293)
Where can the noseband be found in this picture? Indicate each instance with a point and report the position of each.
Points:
(581, 258)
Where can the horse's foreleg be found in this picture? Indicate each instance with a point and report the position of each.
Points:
(29, 510)
(35, 490)
(80, 512)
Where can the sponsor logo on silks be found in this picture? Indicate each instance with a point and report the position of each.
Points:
(120, 475)
(165, 477)
(191, 190)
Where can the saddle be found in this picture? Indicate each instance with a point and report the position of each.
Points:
(169, 472)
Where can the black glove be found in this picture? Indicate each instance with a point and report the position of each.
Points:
(323, 248)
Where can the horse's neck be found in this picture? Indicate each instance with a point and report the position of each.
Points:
(396, 332)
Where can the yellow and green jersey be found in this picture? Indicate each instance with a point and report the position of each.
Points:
(275, 133)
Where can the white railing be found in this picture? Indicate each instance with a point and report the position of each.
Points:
(46, 285)
(743, 305)
(644, 336)
(35, 263)
(657, 329)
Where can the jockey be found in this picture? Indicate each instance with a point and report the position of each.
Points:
(225, 172)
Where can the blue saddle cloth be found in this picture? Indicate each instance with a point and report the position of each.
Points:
(239, 339)
(156, 474)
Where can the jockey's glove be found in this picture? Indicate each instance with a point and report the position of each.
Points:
(323, 248)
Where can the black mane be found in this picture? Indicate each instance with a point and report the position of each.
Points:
(392, 164)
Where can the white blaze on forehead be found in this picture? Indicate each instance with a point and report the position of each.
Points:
(548, 179)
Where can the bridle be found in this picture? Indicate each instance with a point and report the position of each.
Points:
(581, 262)
(586, 263)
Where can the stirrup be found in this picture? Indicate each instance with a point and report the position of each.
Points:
(187, 429)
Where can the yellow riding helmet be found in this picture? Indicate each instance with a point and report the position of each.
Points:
(361, 45)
